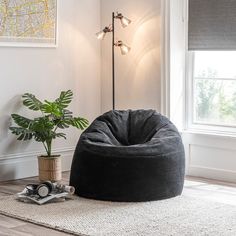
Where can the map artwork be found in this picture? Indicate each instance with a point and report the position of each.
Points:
(28, 21)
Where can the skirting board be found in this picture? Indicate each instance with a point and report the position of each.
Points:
(212, 173)
(26, 164)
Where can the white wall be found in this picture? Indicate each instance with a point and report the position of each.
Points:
(210, 156)
(138, 74)
(75, 65)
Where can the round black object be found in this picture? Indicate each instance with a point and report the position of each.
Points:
(45, 188)
(42, 190)
(129, 156)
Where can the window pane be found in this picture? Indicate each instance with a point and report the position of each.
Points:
(215, 101)
(210, 64)
(215, 88)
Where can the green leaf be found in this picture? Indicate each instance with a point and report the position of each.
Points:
(42, 124)
(65, 98)
(42, 128)
(62, 123)
(67, 114)
(60, 135)
(22, 133)
(52, 108)
(78, 122)
(30, 101)
(39, 138)
(21, 120)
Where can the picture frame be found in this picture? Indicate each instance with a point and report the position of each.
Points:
(48, 38)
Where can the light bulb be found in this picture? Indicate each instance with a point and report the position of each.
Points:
(124, 49)
(101, 35)
(125, 21)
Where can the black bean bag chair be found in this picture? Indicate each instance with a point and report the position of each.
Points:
(129, 156)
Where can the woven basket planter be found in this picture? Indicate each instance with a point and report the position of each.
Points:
(49, 168)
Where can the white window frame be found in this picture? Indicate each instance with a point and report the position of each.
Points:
(191, 126)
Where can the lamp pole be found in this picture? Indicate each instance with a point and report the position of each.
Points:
(113, 60)
(124, 48)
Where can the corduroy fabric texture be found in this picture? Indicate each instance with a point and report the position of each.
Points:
(129, 156)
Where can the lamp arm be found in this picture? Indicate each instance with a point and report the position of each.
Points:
(108, 29)
(118, 15)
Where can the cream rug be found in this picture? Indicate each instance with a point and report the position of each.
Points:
(177, 216)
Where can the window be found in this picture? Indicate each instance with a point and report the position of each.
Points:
(212, 65)
(213, 88)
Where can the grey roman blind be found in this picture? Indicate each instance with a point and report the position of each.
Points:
(212, 25)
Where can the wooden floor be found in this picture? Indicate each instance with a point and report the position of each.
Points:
(13, 227)
(202, 188)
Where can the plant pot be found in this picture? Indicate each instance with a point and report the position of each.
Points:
(49, 168)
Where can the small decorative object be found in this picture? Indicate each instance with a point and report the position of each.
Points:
(123, 47)
(45, 192)
(28, 23)
(44, 129)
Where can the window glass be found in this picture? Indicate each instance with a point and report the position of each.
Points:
(214, 84)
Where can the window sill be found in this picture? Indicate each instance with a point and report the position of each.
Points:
(212, 133)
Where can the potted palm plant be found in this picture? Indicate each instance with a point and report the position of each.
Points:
(45, 128)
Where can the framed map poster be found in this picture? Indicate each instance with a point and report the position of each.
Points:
(28, 23)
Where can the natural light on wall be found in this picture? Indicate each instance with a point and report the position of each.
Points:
(214, 85)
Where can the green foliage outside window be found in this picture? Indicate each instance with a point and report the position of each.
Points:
(215, 100)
